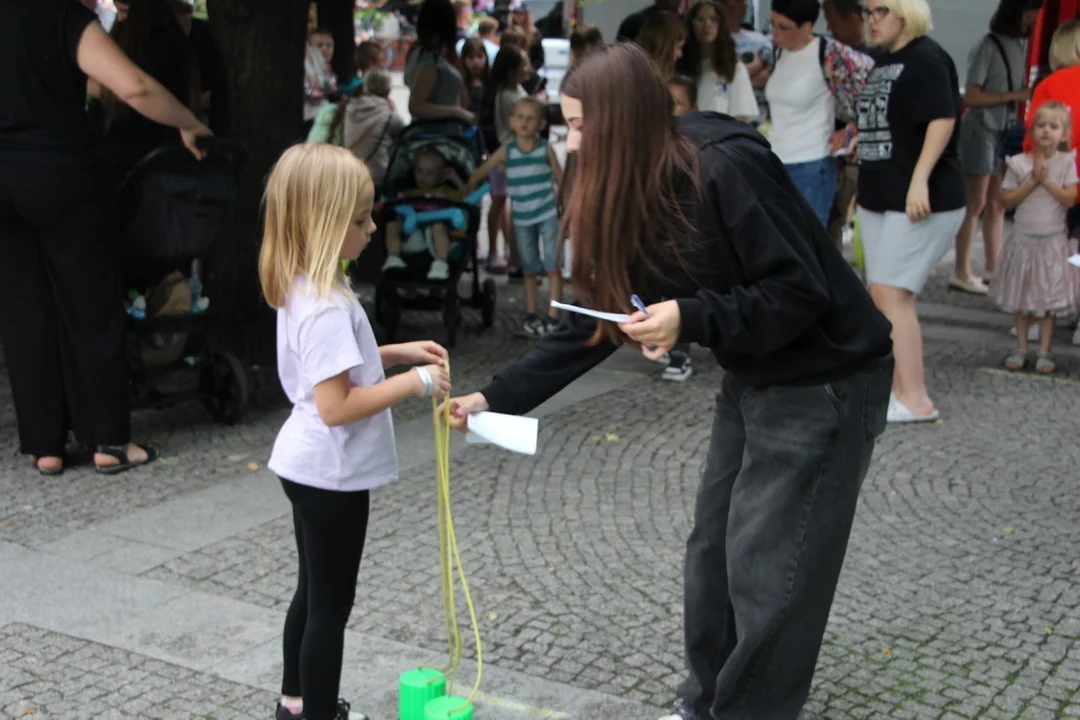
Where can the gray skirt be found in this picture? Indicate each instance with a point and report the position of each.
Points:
(981, 149)
(900, 253)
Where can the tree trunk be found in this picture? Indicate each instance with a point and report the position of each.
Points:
(337, 17)
(261, 44)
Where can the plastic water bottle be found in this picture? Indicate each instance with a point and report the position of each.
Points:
(196, 286)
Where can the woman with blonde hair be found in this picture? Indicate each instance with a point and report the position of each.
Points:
(1063, 86)
(662, 37)
(911, 188)
(338, 443)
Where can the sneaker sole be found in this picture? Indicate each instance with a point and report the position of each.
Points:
(677, 377)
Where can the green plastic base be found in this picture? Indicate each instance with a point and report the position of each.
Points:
(446, 708)
(417, 688)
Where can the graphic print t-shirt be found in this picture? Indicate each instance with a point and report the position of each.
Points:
(906, 91)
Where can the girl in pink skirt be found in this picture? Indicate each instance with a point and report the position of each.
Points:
(1034, 280)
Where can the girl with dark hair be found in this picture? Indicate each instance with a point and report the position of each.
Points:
(475, 69)
(662, 37)
(709, 58)
(995, 86)
(700, 210)
(437, 90)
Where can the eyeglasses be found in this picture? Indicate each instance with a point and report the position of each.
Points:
(878, 13)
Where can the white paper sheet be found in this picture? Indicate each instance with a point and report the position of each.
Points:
(612, 317)
(510, 432)
(1075, 260)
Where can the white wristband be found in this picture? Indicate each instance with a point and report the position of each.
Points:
(425, 377)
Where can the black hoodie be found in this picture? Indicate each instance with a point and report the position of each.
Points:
(769, 294)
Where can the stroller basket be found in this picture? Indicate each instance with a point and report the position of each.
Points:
(178, 205)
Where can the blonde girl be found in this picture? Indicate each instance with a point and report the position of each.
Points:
(1034, 281)
(338, 443)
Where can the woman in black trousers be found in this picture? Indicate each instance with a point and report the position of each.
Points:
(700, 210)
(61, 306)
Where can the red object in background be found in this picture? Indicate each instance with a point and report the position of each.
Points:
(1052, 15)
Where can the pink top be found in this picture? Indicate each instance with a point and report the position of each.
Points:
(1040, 213)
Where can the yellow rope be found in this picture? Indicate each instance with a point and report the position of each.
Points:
(449, 556)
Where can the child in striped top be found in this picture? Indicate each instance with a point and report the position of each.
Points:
(532, 172)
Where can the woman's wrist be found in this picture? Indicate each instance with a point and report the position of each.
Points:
(425, 385)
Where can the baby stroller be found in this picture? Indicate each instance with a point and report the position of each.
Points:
(173, 208)
(404, 289)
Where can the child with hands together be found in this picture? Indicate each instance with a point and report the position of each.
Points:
(338, 443)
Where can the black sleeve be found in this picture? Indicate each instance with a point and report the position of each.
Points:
(554, 362)
(929, 87)
(785, 289)
(76, 20)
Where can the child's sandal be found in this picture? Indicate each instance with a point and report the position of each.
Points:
(1017, 360)
(1045, 365)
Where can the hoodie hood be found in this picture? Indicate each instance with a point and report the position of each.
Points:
(706, 129)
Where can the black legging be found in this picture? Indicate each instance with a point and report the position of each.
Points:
(62, 318)
(330, 531)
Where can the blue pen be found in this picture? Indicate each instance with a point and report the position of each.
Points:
(636, 302)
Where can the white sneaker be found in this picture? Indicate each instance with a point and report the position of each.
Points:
(393, 262)
(971, 285)
(439, 270)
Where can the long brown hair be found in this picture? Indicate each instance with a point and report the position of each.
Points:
(659, 37)
(625, 212)
(722, 57)
(137, 36)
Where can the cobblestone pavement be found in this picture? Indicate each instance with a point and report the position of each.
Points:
(960, 596)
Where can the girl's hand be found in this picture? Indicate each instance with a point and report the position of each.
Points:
(918, 200)
(440, 381)
(1038, 170)
(422, 352)
(462, 407)
(656, 332)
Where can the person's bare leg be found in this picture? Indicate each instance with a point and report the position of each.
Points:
(909, 378)
(993, 225)
(440, 238)
(1023, 324)
(975, 189)
(393, 238)
(1046, 332)
(494, 224)
(531, 291)
(554, 291)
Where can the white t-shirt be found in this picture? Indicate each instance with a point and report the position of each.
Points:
(318, 340)
(802, 107)
(735, 98)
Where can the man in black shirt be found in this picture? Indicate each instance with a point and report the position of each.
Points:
(631, 26)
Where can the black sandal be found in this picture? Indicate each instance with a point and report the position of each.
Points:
(123, 462)
(46, 471)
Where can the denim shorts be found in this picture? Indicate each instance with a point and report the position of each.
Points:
(536, 245)
(816, 180)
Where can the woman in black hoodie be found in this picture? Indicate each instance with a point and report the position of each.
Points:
(703, 212)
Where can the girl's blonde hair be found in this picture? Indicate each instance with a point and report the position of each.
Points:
(915, 13)
(1065, 46)
(310, 204)
(1066, 121)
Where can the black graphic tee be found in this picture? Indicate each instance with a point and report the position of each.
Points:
(905, 92)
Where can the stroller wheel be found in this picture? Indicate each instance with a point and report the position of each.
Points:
(487, 302)
(225, 388)
(388, 309)
(452, 317)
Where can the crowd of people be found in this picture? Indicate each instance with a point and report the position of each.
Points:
(710, 203)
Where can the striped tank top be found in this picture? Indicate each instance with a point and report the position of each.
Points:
(531, 184)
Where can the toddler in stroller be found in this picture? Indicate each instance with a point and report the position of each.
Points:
(429, 230)
(434, 179)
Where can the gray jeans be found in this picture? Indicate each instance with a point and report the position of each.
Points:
(771, 526)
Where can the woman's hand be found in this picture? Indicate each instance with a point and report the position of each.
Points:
(657, 331)
(838, 141)
(422, 352)
(191, 136)
(918, 200)
(462, 407)
(465, 116)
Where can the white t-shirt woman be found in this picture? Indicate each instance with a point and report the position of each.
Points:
(801, 105)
